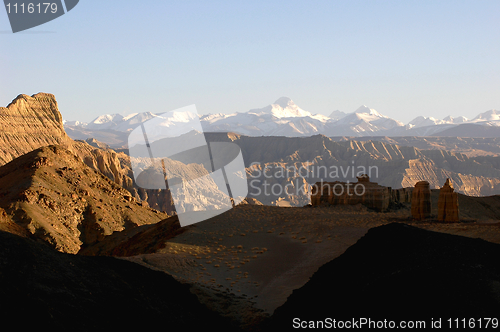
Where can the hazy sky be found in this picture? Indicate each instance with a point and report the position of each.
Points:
(402, 58)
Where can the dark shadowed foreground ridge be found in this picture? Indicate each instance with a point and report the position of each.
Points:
(43, 288)
(397, 271)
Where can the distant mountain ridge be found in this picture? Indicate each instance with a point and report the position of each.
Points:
(398, 161)
(399, 166)
(285, 118)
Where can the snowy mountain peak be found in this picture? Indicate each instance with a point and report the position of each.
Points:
(337, 115)
(283, 118)
(108, 118)
(448, 119)
(179, 116)
(284, 102)
(421, 121)
(459, 119)
(365, 119)
(137, 118)
(491, 115)
(284, 107)
(74, 123)
(363, 109)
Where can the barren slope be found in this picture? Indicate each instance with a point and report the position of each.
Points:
(58, 199)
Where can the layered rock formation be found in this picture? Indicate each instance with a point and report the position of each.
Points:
(402, 195)
(318, 158)
(470, 146)
(363, 192)
(56, 198)
(421, 201)
(448, 203)
(28, 123)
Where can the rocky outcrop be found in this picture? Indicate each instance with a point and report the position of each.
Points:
(28, 123)
(402, 195)
(421, 201)
(56, 198)
(97, 144)
(363, 192)
(107, 162)
(448, 203)
(250, 201)
(136, 241)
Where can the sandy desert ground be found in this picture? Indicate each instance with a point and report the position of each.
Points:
(246, 262)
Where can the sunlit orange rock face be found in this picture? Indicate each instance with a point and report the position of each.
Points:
(421, 201)
(364, 192)
(448, 203)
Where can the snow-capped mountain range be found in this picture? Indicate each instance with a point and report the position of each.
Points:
(285, 118)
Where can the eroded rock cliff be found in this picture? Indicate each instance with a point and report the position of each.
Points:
(448, 203)
(289, 161)
(56, 198)
(28, 123)
(421, 201)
